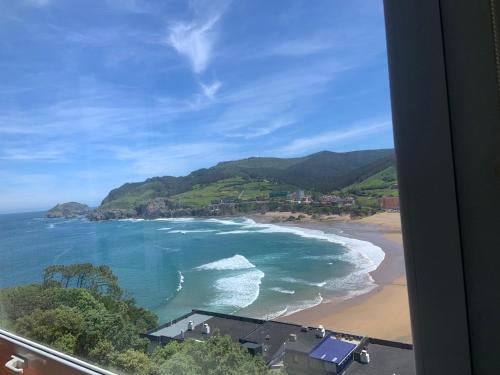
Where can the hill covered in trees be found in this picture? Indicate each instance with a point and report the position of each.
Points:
(68, 210)
(80, 310)
(251, 178)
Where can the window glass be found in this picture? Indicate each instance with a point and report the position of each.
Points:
(234, 158)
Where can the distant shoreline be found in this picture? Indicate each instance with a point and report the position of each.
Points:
(381, 313)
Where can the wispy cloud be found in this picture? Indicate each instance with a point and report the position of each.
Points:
(195, 39)
(45, 152)
(173, 159)
(38, 3)
(272, 102)
(333, 138)
(209, 90)
(296, 48)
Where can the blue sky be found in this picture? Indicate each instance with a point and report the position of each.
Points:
(95, 93)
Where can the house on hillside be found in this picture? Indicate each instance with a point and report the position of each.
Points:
(328, 199)
(306, 199)
(389, 203)
(296, 196)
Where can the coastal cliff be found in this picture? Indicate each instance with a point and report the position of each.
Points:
(329, 182)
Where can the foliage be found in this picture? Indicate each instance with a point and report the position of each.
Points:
(95, 279)
(219, 355)
(72, 312)
(232, 189)
(367, 191)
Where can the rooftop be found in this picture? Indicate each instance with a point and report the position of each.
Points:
(386, 357)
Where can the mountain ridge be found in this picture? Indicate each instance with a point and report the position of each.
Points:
(321, 172)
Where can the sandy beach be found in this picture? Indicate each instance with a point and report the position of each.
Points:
(383, 312)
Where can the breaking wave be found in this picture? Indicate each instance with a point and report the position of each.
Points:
(284, 291)
(239, 291)
(236, 262)
(181, 281)
(304, 282)
(186, 231)
(237, 232)
(176, 219)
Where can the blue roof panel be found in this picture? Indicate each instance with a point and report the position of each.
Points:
(332, 350)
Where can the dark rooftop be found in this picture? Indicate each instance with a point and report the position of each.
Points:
(224, 326)
(385, 357)
(272, 335)
(305, 341)
(385, 360)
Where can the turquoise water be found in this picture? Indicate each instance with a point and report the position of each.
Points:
(173, 265)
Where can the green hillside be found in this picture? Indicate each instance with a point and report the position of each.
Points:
(321, 172)
(381, 184)
(236, 188)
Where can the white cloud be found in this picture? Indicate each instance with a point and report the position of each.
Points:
(211, 89)
(332, 138)
(196, 39)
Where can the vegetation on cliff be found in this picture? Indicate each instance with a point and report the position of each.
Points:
(68, 210)
(249, 180)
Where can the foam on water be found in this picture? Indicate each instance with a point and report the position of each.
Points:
(284, 291)
(237, 232)
(186, 231)
(223, 222)
(165, 228)
(304, 282)
(132, 220)
(181, 281)
(239, 291)
(364, 254)
(236, 262)
(275, 315)
(302, 305)
(175, 219)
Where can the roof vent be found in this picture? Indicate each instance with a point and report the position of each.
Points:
(320, 331)
(364, 357)
(190, 325)
(293, 337)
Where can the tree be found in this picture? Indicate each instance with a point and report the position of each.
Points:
(57, 327)
(99, 324)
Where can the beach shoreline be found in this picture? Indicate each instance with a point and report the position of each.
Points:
(383, 312)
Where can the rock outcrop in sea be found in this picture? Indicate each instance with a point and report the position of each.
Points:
(68, 210)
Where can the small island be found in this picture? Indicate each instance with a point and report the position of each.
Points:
(68, 210)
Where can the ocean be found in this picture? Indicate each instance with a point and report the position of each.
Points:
(170, 266)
